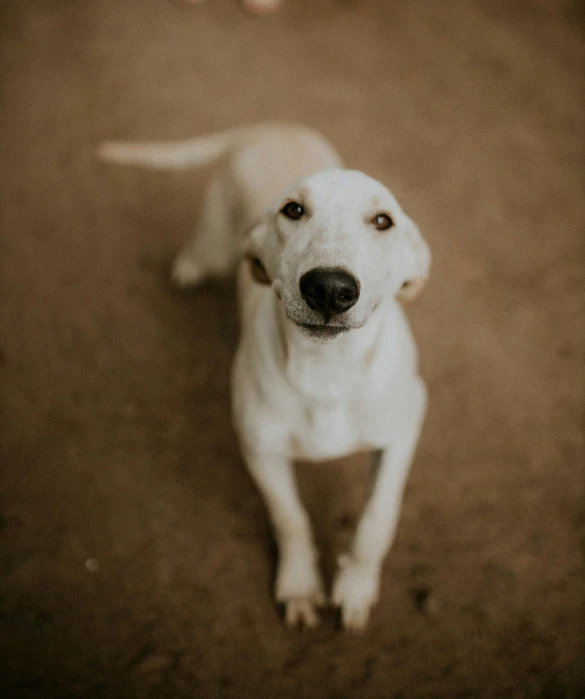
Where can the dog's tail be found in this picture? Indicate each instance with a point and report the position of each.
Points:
(170, 155)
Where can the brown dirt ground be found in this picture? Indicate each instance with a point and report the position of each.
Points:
(116, 442)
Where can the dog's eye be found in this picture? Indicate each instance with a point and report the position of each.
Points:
(382, 222)
(293, 210)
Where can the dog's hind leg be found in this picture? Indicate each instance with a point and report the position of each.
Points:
(212, 251)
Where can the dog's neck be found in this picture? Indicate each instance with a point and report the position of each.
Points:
(328, 371)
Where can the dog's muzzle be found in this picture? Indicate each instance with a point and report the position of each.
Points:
(329, 291)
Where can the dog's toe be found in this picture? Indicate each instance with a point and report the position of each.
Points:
(301, 612)
(355, 618)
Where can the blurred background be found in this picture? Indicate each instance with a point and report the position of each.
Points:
(135, 553)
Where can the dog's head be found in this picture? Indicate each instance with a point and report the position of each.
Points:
(333, 248)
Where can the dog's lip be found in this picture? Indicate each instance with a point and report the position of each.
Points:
(324, 330)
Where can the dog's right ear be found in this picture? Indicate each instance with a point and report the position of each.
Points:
(252, 253)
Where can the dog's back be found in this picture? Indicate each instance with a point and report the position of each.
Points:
(250, 167)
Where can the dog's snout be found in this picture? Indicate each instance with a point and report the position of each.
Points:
(329, 290)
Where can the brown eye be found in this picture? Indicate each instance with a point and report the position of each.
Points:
(382, 222)
(293, 210)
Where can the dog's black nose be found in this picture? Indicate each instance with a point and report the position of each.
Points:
(329, 290)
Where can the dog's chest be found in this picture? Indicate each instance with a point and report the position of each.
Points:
(324, 431)
(318, 381)
(330, 412)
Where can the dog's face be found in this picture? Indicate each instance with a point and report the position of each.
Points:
(333, 248)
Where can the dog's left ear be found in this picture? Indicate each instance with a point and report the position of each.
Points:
(257, 269)
(414, 258)
(252, 254)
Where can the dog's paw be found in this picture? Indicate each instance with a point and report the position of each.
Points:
(186, 272)
(355, 591)
(300, 589)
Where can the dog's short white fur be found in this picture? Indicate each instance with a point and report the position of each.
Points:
(308, 383)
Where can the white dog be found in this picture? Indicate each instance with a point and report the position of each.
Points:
(326, 364)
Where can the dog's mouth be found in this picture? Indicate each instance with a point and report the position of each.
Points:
(323, 332)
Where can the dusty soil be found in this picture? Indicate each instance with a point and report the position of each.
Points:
(136, 558)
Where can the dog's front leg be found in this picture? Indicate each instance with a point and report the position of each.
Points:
(357, 582)
(298, 583)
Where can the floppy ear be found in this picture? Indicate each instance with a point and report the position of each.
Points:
(252, 253)
(414, 258)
